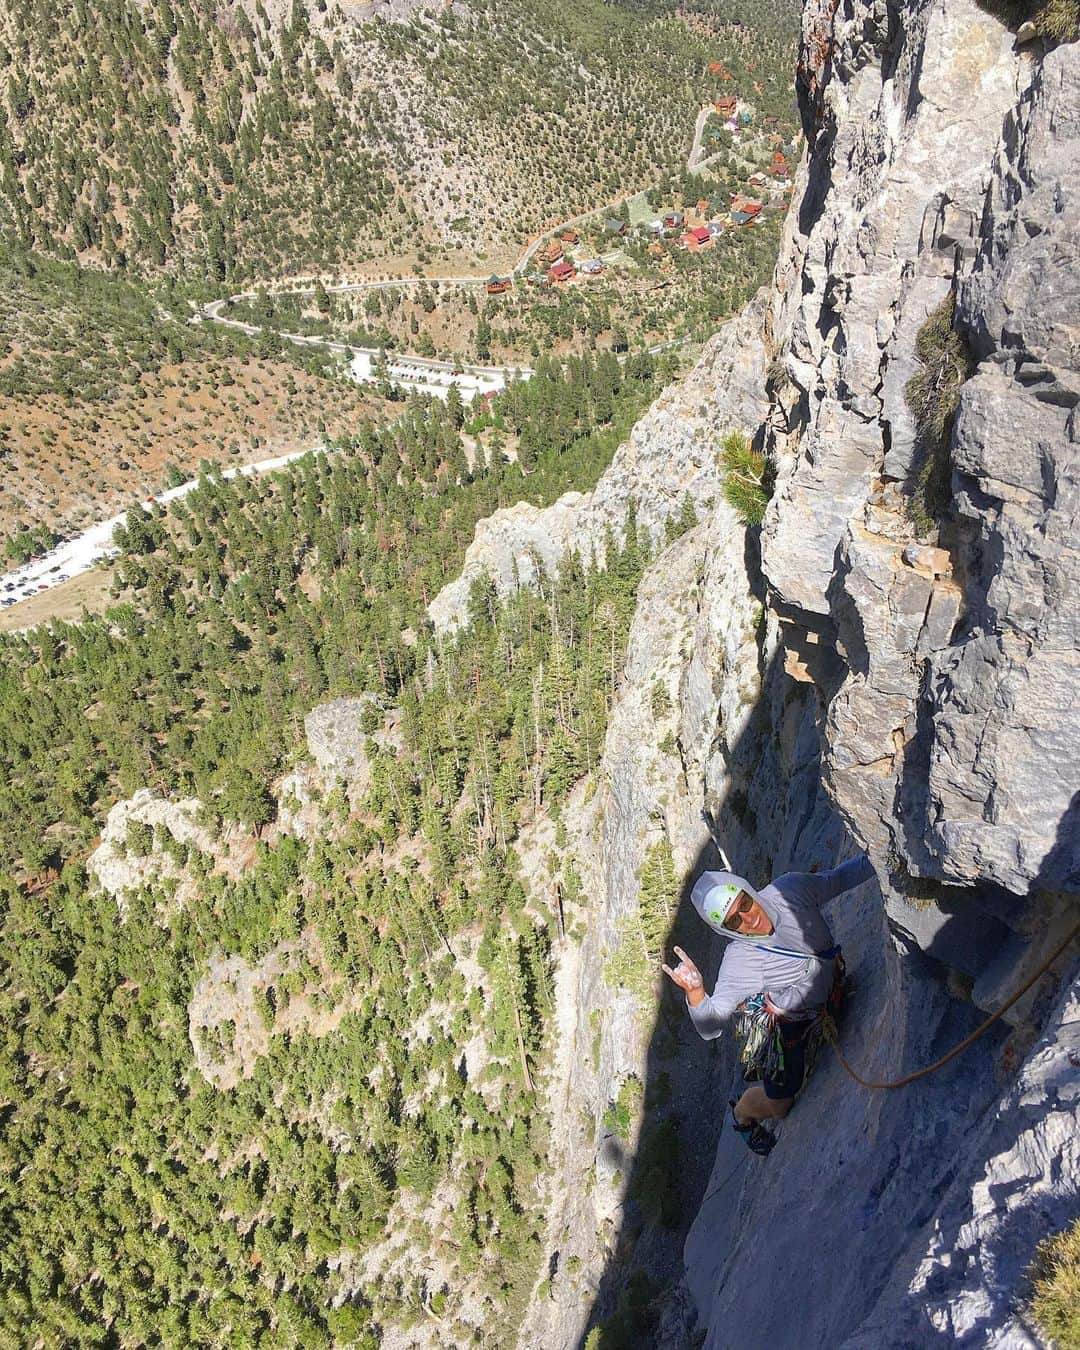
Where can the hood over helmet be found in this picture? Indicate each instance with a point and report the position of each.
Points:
(713, 895)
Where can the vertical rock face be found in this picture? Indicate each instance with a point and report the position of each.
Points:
(888, 667)
(738, 735)
(942, 161)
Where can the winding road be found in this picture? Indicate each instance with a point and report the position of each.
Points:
(426, 375)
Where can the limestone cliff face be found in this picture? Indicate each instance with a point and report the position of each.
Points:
(943, 159)
(848, 678)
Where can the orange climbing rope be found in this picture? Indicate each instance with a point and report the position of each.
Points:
(834, 1039)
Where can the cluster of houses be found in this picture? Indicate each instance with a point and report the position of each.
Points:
(693, 228)
(558, 269)
(561, 269)
(743, 210)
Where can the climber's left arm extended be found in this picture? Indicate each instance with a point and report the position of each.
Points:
(820, 887)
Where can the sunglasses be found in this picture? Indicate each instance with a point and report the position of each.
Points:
(733, 921)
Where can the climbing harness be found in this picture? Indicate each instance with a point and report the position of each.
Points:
(766, 1032)
(832, 1034)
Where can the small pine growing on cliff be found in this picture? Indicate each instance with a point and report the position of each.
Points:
(747, 478)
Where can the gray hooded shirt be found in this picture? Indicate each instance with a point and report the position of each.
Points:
(789, 965)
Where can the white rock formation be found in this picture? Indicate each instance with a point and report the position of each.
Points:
(117, 871)
(337, 744)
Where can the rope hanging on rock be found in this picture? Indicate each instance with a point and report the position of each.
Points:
(834, 1039)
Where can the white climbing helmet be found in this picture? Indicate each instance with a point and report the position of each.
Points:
(713, 895)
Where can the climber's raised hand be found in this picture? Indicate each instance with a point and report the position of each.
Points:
(686, 975)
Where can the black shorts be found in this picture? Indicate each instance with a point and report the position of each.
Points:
(786, 1084)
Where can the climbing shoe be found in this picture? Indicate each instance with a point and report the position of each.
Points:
(758, 1138)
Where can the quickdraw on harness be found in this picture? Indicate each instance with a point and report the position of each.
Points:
(766, 1032)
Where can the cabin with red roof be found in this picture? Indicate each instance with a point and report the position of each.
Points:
(746, 205)
(496, 285)
(562, 271)
(699, 238)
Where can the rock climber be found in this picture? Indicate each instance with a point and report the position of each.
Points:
(779, 973)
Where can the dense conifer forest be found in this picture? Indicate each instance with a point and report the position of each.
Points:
(152, 1205)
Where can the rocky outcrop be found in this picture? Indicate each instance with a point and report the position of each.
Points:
(127, 859)
(671, 456)
(964, 1287)
(338, 735)
(337, 739)
(942, 160)
(238, 1006)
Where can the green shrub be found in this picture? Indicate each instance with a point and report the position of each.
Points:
(1055, 1273)
(748, 478)
(1055, 20)
(933, 396)
(621, 1112)
(138, 838)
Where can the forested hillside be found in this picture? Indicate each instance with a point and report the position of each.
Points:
(277, 1039)
(225, 144)
(358, 1177)
(108, 394)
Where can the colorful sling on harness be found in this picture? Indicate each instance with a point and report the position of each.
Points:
(764, 1030)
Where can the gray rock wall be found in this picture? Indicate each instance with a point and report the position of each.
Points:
(872, 678)
(941, 158)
